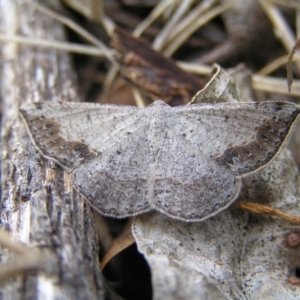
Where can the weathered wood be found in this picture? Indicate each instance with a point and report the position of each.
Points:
(38, 205)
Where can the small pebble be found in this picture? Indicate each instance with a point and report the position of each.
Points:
(293, 239)
(294, 280)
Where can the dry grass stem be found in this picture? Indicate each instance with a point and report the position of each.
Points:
(76, 28)
(205, 18)
(28, 259)
(162, 37)
(95, 51)
(189, 19)
(111, 75)
(297, 22)
(138, 98)
(289, 66)
(108, 24)
(275, 64)
(287, 3)
(268, 210)
(7, 242)
(195, 68)
(281, 28)
(220, 52)
(154, 15)
(69, 47)
(27, 262)
(274, 85)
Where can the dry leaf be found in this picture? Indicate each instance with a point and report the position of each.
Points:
(235, 254)
(153, 74)
(241, 255)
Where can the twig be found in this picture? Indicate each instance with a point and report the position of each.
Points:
(268, 210)
(7, 242)
(28, 259)
(76, 28)
(70, 47)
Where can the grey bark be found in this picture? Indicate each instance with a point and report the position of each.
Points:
(38, 205)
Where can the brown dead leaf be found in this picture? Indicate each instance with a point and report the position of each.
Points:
(154, 75)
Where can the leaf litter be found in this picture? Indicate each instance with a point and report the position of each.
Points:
(216, 290)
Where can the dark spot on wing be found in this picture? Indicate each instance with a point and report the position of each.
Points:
(278, 106)
(246, 151)
(48, 138)
(38, 105)
(230, 154)
(270, 135)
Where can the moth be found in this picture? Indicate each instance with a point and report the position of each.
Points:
(186, 162)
